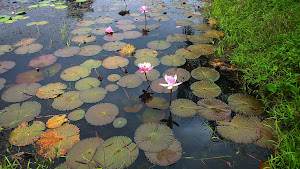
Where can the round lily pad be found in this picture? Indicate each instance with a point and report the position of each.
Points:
(25, 135)
(75, 73)
(93, 95)
(50, 90)
(158, 45)
(205, 73)
(130, 81)
(81, 31)
(101, 114)
(152, 60)
(162, 18)
(173, 60)
(205, 89)
(43, 61)
(29, 49)
(113, 46)
(245, 104)
(83, 38)
(105, 20)
(202, 49)
(20, 92)
(153, 137)
(145, 52)
(31, 76)
(67, 51)
(183, 107)
(67, 101)
(90, 50)
(76, 115)
(182, 74)
(132, 34)
(113, 62)
(213, 109)
(91, 63)
(87, 83)
(114, 37)
(85, 23)
(15, 114)
(188, 54)
(6, 65)
(177, 37)
(119, 122)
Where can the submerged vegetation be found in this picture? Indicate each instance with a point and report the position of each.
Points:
(262, 40)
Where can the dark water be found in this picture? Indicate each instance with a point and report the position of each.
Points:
(199, 149)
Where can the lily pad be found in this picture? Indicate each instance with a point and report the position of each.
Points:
(113, 46)
(75, 73)
(67, 51)
(25, 135)
(15, 114)
(67, 101)
(6, 65)
(113, 62)
(20, 92)
(205, 89)
(50, 90)
(31, 76)
(43, 61)
(158, 45)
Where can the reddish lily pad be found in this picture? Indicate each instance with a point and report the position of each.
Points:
(43, 61)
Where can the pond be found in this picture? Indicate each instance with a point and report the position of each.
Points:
(56, 59)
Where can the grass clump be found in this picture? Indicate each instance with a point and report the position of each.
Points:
(262, 39)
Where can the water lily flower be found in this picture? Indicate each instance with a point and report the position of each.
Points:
(145, 67)
(171, 81)
(144, 9)
(109, 30)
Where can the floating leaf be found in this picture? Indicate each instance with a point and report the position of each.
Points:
(15, 114)
(75, 73)
(76, 115)
(101, 114)
(91, 63)
(119, 122)
(127, 49)
(113, 62)
(173, 60)
(6, 65)
(245, 104)
(113, 46)
(43, 61)
(67, 101)
(25, 135)
(168, 156)
(158, 45)
(56, 142)
(93, 95)
(81, 31)
(153, 137)
(56, 121)
(205, 73)
(117, 152)
(205, 89)
(130, 81)
(31, 76)
(50, 90)
(213, 109)
(20, 92)
(67, 51)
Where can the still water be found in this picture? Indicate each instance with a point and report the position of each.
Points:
(56, 28)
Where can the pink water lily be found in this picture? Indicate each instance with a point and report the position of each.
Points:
(145, 67)
(144, 9)
(171, 81)
(109, 30)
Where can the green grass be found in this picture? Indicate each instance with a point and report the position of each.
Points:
(262, 37)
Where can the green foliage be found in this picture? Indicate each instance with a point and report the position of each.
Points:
(265, 38)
